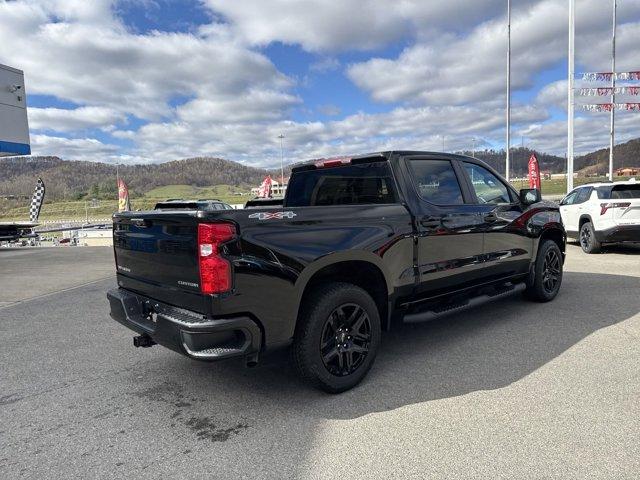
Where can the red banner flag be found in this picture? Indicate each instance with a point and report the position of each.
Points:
(123, 196)
(534, 173)
(265, 188)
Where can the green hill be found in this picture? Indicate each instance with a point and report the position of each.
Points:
(75, 180)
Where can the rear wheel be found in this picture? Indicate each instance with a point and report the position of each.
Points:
(547, 273)
(588, 240)
(337, 337)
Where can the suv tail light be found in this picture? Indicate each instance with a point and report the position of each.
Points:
(215, 271)
(606, 206)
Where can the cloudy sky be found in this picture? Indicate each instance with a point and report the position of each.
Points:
(155, 80)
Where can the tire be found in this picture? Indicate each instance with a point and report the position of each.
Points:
(547, 273)
(588, 240)
(337, 337)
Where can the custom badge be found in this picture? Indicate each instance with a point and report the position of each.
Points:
(272, 215)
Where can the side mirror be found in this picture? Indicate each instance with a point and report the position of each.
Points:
(529, 196)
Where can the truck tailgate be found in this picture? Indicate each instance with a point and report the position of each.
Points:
(159, 248)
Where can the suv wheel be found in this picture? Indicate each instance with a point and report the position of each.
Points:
(588, 240)
(547, 273)
(337, 337)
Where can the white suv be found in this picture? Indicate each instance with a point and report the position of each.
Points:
(600, 213)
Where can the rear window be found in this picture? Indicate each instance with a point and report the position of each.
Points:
(619, 192)
(436, 181)
(368, 183)
(625, 191)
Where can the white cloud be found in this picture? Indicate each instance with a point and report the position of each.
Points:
(252, 105)
(73, 149)
(591, 132)
(67, 120)
(470, 67)
(79, 52)
(554, 94)
(319, 25)
(401, 128)
(215, 92)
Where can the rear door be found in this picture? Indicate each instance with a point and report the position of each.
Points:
(450, 238)
(508, 249)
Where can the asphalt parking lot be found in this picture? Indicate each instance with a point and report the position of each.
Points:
(509, 390)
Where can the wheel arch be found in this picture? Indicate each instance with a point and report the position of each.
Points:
(557, 235)
(362, 269)
(584, 218)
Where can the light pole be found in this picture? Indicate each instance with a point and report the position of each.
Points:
(281, 137)
(508, 147)
(473, 146)
(570, 81)
(613, 95)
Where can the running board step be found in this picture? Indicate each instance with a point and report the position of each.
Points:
(444, 310)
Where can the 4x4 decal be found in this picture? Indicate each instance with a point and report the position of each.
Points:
(272, 215)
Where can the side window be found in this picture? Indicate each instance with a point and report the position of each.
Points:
(570, 199)
(604, 193)
(583, 194)
(436, 181)
(488, 188)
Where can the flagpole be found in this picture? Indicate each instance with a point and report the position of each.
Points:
(508, 147)
(281, 137)
(570, 103)
(613, 95)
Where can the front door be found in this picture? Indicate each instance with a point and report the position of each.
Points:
(570, 210)
(508, 250)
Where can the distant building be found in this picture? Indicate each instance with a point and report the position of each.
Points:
(94, 237)
(276, 189)
(627, 171)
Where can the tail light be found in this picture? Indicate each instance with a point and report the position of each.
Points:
(606, 206)
(215, 271)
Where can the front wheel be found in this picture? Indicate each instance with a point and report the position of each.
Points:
(547, 273)
(337, 337)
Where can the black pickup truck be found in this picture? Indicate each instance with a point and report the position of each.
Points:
(356, 245)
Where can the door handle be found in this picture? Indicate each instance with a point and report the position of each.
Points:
(431, 222)
(490, 217)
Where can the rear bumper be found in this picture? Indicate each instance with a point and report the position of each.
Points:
(620, 233)
(186, 332)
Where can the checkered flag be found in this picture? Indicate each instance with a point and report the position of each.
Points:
(36, 201)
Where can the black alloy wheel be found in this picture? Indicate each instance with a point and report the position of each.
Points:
(585, 239)
(588, 240)
(551, 271)
(345, 339)
(545, 277)
(337, 336)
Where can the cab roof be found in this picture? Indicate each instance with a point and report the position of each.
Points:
(368, 158)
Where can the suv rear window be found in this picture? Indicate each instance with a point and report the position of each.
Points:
(625, 191)
(618, 192)
(367, 183)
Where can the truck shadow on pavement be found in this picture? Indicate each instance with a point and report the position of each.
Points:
(482, 349)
